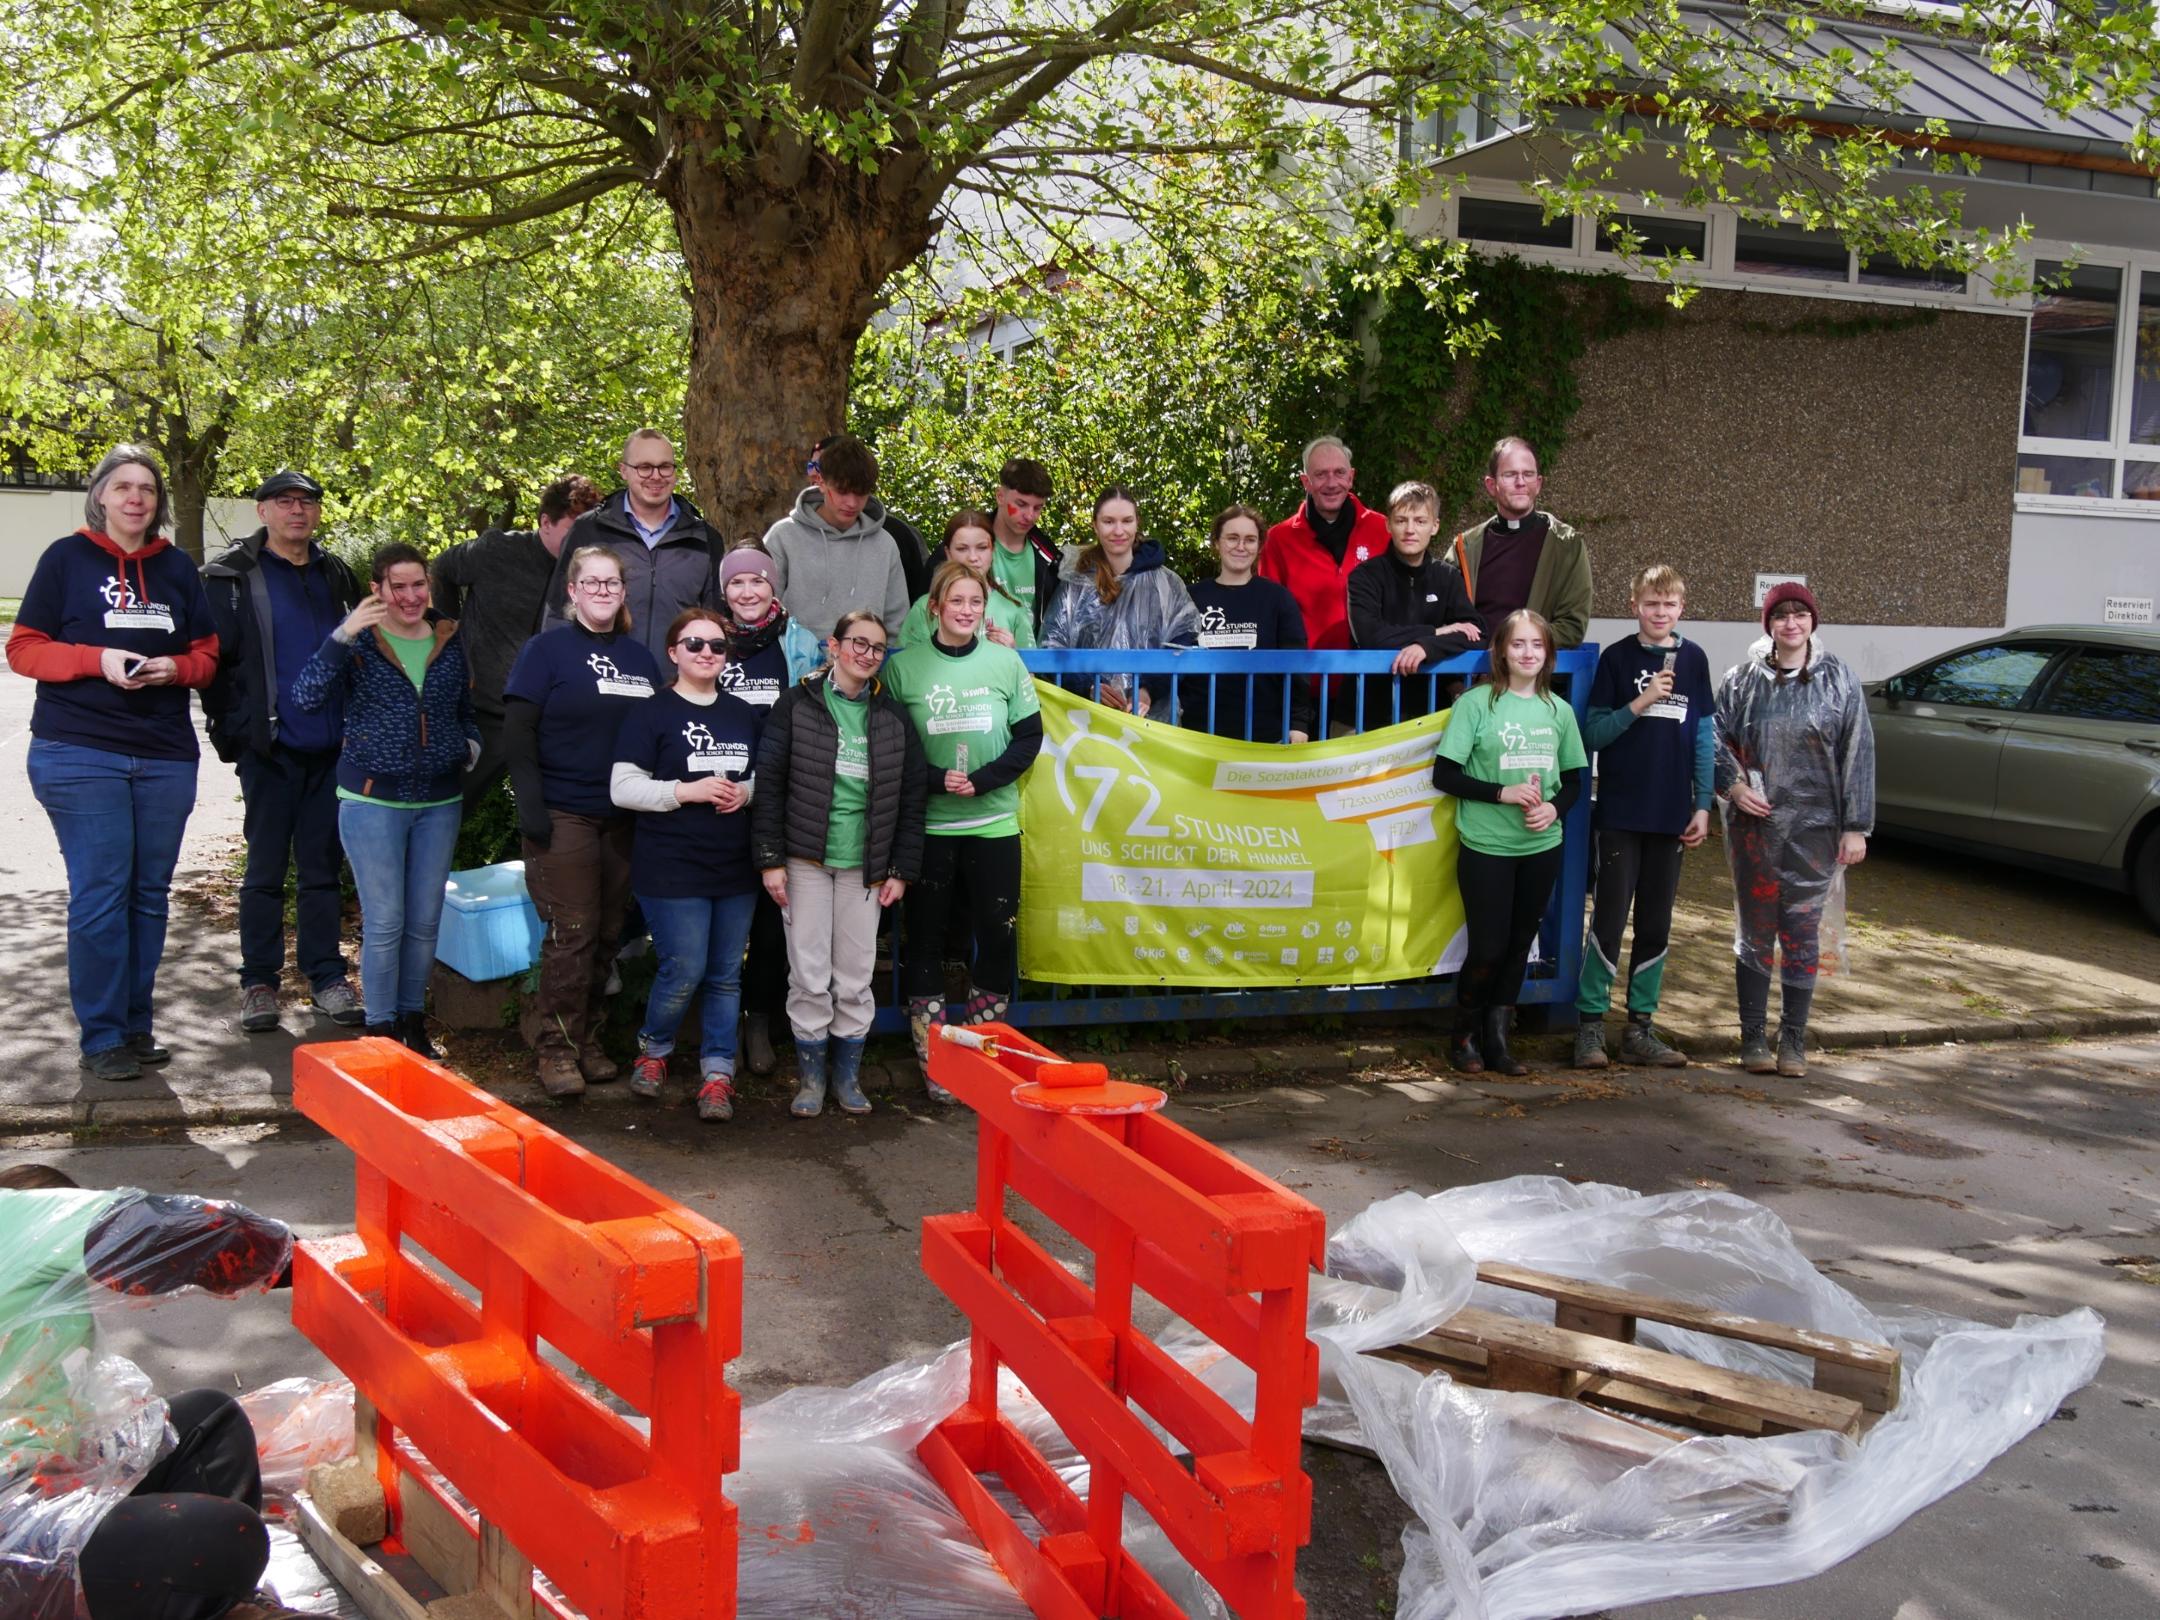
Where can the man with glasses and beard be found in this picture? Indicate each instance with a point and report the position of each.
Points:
(670, 555)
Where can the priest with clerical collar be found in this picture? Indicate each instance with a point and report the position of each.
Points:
(1524, 557)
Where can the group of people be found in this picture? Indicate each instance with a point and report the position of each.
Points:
(754, 752)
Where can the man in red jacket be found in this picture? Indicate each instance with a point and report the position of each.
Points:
(1313, 551)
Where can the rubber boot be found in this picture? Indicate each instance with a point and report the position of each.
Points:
(847, 1074)
(983, 1007)
(1463, 1054)
(1753, 990)
(757, 1044)
(923, 1011)
(1492, 1043)
(809, 1078)
(1792, 1030)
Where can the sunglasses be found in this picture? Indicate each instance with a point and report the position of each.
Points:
(699, 644)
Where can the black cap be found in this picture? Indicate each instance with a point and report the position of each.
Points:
(286, 481)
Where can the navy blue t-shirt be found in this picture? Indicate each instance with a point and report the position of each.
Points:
(1258, 616)
(583, 684)
(692, 852)
(1646, 774)
(303, 611)
(759, 678)
(151, 604)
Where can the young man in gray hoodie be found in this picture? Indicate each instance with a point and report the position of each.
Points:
(832, 553)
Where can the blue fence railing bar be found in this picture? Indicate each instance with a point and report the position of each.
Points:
(1348, 698)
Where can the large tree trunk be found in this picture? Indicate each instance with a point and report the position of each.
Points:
(785, 270)
(191, 463)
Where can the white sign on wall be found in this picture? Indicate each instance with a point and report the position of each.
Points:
(1766, 583)
(2127, 610)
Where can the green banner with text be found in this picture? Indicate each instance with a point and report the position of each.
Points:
(1156, 855)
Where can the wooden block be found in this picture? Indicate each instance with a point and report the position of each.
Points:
(1605, 1324)
(1528, 1375)
(1781, 1406)
(1874, 1388)
(1878, 1361)
(349, 1499)
(371, 1587)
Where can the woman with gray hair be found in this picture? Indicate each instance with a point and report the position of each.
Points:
(115, 627)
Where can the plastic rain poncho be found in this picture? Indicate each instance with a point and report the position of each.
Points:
(1153, 609)
(79, 1431)
(1806, 745)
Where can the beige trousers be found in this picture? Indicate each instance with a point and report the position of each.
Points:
(832, 926)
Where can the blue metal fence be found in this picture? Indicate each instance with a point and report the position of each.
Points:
(1362, 704)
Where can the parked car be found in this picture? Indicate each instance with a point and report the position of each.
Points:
(2038, 746)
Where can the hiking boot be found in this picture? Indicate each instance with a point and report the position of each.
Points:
(716, 1097)
(114, 1063)
(259, 1008)
(1492, 1044)
(413, 1031)
(847, 1075)
(559, 1073)
(595, 1065)
(146, 1050)
(647, 1075)
(1463, 1055)
(757, 1044)
(337, 1002)
(1792, 1050)
(809, 1099)
(1590, 1044)
(1639, 1044)
(1755, 1054)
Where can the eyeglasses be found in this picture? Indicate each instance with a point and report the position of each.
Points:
(699, 644)
(864, 647)
(651, 469)
(601, 587)
(295, 503)
(1517, 477)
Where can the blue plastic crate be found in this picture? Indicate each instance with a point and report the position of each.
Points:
(489, 927)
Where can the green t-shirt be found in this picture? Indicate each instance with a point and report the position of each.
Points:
(412, 656)
(44, 1317)
(1009, 616)
(965, 703)
(1496, 736)
(1016, 572)
(851, 778)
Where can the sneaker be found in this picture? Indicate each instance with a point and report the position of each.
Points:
(114, 1063)
(1755, 1054)
(1639, 1043)
(1590, 1044)
(337, 1002)
(716, 1097)
(1791, 1051)
(259, 1008)
(595, 1065)
(559, 1075)
(647, 1075)
(146, 1050)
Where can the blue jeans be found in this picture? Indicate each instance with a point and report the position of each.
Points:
(400, 861)
(700, 944)
(119, 820)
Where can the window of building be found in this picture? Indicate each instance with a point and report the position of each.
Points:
(2092, 383)
(1790, 250)
(1659, 237)
(1516, 224)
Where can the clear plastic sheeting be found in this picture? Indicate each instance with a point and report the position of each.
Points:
(299, 1423)
(1802, 741)
(1529, 1506)
(79, 1431)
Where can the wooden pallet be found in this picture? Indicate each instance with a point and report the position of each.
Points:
(1588, 1353)
(485, 1576)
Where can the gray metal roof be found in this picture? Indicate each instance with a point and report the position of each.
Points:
(1949, 81)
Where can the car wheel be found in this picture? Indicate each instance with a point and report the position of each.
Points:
(2145, 876)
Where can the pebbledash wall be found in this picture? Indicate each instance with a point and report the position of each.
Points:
(1937, 462)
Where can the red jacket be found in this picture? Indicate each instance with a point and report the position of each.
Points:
(1295, 559)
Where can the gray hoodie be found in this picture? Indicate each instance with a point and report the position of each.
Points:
(821, 572)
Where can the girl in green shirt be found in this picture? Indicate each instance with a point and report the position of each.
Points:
(1513, 761)
(968, 539)
(973, 703)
